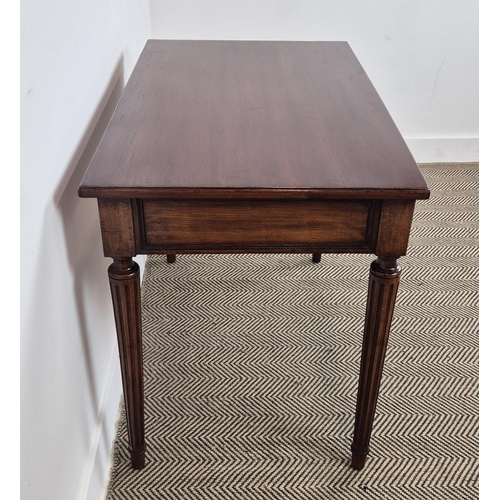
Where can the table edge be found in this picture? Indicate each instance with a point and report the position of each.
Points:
(252, 193)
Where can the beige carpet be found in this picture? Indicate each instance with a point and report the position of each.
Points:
(251, 365)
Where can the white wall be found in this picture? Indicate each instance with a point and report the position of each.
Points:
(75, 58)
(422, 56)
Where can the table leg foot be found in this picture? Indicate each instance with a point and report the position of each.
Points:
(316, 258)
(138, 459)
(383, 286)
(171, 257)
(358, 460)
(124, 280)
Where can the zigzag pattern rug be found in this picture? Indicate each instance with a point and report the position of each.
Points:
(251, 366)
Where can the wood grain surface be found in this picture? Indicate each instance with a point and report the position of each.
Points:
(215, 223)
(234, 119)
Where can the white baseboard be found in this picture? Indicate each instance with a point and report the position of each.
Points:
(100, 456)
(445, 150)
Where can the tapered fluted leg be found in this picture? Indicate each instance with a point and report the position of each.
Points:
(126, 293)
(383, 286)
(316, 257)
(171, 257)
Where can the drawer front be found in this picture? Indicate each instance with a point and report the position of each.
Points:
(259, 224)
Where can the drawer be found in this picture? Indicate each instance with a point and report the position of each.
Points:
(178, 224)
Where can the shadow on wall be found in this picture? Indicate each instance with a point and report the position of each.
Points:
(84, 251)
(71, 324)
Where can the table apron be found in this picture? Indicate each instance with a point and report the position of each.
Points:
(147, 226)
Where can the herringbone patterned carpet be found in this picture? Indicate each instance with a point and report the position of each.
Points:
(251, 365)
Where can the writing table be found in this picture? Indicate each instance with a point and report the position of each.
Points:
(252, 147)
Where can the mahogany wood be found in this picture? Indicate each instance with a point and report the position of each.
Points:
(117, 227)
(228, 249)
(316, 257)
(382, 289)
(234, 146)
(215, 118)
(211, 223)
(124, 280)
(394, 227)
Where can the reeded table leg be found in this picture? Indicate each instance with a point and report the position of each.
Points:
(171, 257)
(316, 257)
(383, 286)
(126, 293)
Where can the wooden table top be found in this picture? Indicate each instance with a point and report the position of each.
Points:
(251, 119)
